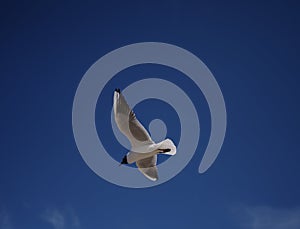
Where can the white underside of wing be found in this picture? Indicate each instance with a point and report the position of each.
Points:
(151, 172)
(128, 124)
(148, 167)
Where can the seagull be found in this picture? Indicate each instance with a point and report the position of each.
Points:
(144, 150)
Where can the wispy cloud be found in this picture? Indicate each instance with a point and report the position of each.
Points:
(263, 217)
(55, 218)
(5, 221)
(61, 218)
(74, 219)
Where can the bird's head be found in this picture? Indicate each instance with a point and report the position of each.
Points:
(124, 160)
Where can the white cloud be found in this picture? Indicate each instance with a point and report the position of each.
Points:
(55, 218)
(5, 222)
(265, 217)
(61, 218)
(74, 219)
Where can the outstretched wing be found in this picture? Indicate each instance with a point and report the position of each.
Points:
(148, 167)
(128, 123)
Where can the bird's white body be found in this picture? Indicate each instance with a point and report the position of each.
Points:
(144, 151)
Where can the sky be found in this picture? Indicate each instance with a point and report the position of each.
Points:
(251, 47)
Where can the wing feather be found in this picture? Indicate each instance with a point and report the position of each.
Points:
(128, 124)
(148, 167)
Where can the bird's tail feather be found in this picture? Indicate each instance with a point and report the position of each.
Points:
(168, 144)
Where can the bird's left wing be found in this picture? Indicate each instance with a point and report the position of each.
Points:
(148, 167)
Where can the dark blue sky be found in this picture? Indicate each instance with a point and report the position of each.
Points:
(252, 48)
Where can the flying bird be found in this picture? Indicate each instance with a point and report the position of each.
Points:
(144, 150)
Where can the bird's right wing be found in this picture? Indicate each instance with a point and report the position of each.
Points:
(128, 124)
(148, 167)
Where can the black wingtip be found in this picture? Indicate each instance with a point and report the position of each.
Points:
(118, 90)
(165, 150)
